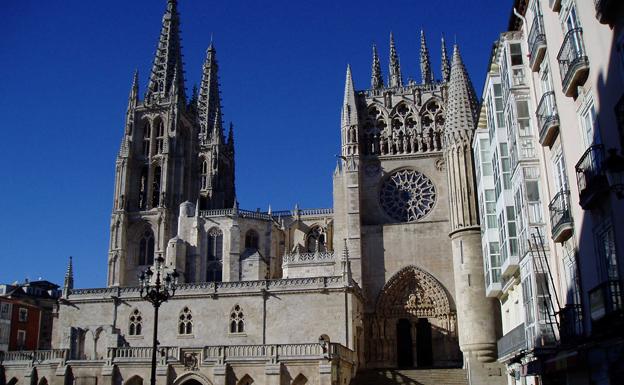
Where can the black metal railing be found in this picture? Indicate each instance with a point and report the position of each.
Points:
(513, 341)
(572, 56)
(571, 323)
(590, 176)
(547, 114)
(559, 208)
(536, 41)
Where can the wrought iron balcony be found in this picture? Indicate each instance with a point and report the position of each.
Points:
(606, 307)
(573, 62)
(548, 119)
(571, 321)
(590, 177)
(561, 217)
(537, 43)
(608, 11)
(512, 343)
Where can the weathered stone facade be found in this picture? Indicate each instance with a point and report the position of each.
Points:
(391, 277)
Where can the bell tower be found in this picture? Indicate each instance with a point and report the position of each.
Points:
(172, 151)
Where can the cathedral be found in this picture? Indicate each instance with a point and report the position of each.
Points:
(390, 277)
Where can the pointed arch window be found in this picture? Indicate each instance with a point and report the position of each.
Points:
(156, 201)
(237, 320)
(135, 327)
(204, 175)
(160, 138)
(316, 240)
(214, 258)
(147, 134)
(143, 189)
(185, 322)
(251, 240)
(146, 248)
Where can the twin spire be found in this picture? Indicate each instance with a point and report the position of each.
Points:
(394, 76)
(209, 99)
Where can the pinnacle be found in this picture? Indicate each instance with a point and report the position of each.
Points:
(445, 66)
(425, 61)
(376, 76)
(395, 79)
(462, 101)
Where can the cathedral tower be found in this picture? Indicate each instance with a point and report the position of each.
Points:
(171, 152)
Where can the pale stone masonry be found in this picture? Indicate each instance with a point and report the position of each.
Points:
(391, 277)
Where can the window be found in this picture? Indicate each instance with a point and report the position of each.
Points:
(204, 175)
(605, 243)
(561, 178)
(515, 54)
(533, 201)
(4, 310)
(498, 103)
(147, 133)
(23, 314)
(136, 323)
(589, 125)
(237, 320)
(490, 208)
(484, 153)
(315, 240)
(185, 323)
(143, 189)
(160, 139)
(506, 165)
(156, 201)
(146, 248)
(214, 258)
(251, 240)
(524, 118)
(21, 339)
(495, 261)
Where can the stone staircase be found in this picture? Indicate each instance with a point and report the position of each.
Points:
(411, 377)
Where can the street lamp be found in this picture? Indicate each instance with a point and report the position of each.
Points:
(157, 291)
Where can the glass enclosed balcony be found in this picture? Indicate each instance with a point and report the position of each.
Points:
(573, 62)
(561, 217)
(547, 119)
(590, 177)
(537, 43)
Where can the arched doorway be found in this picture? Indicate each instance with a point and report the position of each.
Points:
(414, 324)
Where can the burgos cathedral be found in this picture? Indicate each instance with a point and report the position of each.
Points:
(390, 278)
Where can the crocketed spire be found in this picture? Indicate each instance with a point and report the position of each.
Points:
(68, 283)
(445, 66)
(425, 61)
(394, 78)
(209, 100)
(349, 109)
(168, 58)
(376, 76)
(462, 100)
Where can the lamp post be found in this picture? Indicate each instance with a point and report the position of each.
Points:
(157, 291)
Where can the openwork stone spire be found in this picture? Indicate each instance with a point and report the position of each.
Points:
(462, 100)
(209, 100)
(68, 283)
(168, 58)
(425, 62)
(445, 66)
(349, 111)
(395, 79)
(133, 98)
(376, 76)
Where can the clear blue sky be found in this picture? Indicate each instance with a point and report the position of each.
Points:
(65, 73)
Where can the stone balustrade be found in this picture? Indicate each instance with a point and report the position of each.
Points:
(142, 354)
(35, 355)
(275, 353)
(265, 215)
(318, 256)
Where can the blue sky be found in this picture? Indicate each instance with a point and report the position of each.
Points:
(65, 73)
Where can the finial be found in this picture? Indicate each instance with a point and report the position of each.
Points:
(376, 76)
(425, 62)
(445, 65)
(394, 76)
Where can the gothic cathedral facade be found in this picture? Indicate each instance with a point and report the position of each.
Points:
(391, 277)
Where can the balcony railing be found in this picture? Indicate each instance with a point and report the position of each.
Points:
(548, 119)
(607, 11)
(512, 342)
(590, 176)
(605, 299)
(571, 321)
(561, 217)
(573, 62)
(35, 355)
(537, 43)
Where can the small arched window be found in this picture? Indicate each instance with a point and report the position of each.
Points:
(146, 248)
(237, 320)
(185, 322)
(251, 240)
(147, 134)
(204, 175)
(214, 257)
(156, 201)
(160, 139)
(135, 327)
(316, 240)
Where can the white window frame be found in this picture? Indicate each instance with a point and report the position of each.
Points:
(23, 314)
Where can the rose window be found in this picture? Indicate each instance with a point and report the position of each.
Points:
(407, 195)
